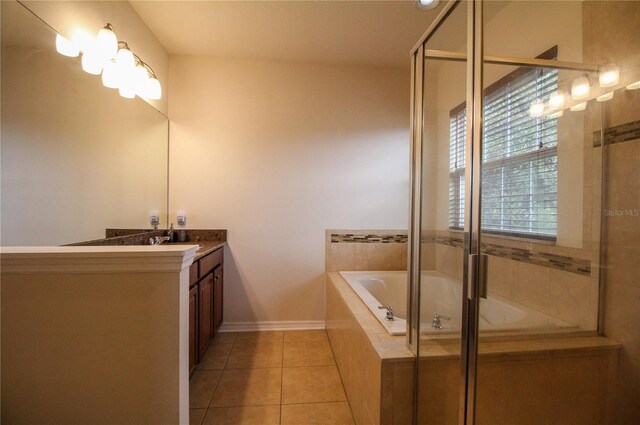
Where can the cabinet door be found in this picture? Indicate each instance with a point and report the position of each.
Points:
(205, 301)
(193, 329)
(218, 295)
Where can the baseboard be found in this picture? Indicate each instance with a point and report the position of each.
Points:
(272, 326)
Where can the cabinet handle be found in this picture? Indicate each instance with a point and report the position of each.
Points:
(216, 277)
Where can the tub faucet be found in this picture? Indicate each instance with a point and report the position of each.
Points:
(389, 315)
(436, 323)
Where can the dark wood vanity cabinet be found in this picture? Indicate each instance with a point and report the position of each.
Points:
(206, 289)
(218, 292)
(205, 319)
(193, 328)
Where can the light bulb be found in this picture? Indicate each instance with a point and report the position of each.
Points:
(634, 86)
(107, 43)
(127, 91)
(65, 47)
(82, 39)
(605, 97)
(124, 59)
(556, 101)
(609, 75)
(154, 90)
(536, 109)
(556, 114)
(580, 88)
(92, 63)
(111, 75)
(426, 4)
(579, 107)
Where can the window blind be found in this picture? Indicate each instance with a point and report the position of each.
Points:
(519, 171)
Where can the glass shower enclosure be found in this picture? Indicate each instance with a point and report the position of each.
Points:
(505, 231)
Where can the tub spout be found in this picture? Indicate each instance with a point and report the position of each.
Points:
(389, 312)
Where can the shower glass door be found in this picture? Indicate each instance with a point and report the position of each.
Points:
(505, 223)
(539, 222)
(438, 249)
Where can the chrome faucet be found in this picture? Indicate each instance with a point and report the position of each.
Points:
(158, 240)
(436, 323)
(389, 315)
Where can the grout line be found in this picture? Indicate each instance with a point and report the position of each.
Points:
(341, 380)
(281, 381)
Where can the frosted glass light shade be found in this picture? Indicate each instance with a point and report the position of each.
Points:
(609, 75)
(111, 77)
(107, 43)
(536, 109)
(127, 91)
(124, 59)
(154, 90)
(556, 101)
(580, 88)
(634, 86)
(82, 39)
(66, 47)
(92, 63)
(605, 97)
(140, 76)
(579, 107)
(556, 114)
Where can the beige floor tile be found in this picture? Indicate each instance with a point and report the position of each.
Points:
(308, 353)
(196, 416)
(202, 386)
(255, 355)
(246, 415)
(311, 384)
(225, 338)
(248, 387)
(215, 357)
(254, 337)
(317, 414)
(304, 336)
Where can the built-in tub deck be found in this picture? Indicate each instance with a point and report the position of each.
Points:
(377, 368)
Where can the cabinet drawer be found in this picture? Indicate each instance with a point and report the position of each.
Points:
(210, 262)
(193, 274)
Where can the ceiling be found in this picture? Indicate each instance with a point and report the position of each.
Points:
(379, 33)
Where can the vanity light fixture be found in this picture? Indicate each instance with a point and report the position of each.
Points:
(580, 88)
(609, 75)
(634, 86)
(120, 68)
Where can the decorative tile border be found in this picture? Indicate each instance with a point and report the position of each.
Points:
(618, 134)
(545, 259)
(367, 238)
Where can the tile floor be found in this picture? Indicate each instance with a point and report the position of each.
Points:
(268, 378)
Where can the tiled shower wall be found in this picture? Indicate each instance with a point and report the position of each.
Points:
(613, 28)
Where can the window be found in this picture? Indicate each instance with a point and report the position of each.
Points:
(519, 171)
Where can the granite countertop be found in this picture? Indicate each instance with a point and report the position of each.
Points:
(206, 247)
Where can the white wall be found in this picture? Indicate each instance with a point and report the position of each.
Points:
(65, 16)
(277, 152)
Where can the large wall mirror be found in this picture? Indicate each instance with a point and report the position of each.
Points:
(76, 157)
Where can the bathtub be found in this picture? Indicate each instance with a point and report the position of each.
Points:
(442, 295)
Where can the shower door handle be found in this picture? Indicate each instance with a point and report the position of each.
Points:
(478, 268)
